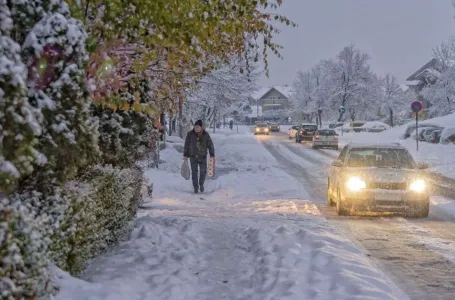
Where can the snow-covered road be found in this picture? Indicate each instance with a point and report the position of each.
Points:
(418, 254)
(255, 234)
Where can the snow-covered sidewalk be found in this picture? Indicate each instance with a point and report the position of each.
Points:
(254, 234)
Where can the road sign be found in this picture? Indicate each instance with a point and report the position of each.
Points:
(341, 109)
(416, 106)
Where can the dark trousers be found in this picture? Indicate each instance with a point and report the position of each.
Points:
(202, 164)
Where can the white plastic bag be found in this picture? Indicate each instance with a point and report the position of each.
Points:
(185, 171)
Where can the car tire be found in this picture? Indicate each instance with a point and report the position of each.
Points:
(341, 209)
(421, 211)
(329, 199)
(314, 147)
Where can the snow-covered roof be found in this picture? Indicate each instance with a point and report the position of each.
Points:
(259, 93)
(404, 87)
(413, 82)
(285, 90)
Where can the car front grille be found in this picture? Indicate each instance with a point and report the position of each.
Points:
(387, 186)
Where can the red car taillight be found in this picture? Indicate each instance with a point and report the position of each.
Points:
(302, 132)
(316, 137)
(335, 137)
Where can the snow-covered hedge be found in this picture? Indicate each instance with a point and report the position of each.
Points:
(102, 203)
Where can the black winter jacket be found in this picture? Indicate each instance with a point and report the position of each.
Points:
(191, 148)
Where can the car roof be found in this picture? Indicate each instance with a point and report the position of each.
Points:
(308, 124)
(376, 145)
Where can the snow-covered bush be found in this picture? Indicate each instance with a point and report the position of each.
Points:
(18, 125)
(103, 201)
(125, 136)
(69, 139)
(23, 261)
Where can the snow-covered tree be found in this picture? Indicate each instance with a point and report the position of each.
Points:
(350, 81)
(440, 90)
(396, 101)
(221, 91)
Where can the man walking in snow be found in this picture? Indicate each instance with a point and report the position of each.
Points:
(197, 142)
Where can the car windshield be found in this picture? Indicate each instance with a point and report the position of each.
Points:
(261, 125)
(380, 158)
(309, 127)
(327, 132)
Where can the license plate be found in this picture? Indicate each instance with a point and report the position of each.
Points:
(387, 197)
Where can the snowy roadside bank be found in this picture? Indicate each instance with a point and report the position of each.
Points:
(254, 234)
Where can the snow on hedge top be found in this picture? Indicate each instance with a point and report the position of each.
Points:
(57, 30)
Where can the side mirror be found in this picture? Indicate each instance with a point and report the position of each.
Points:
(422, 166)
(337, 163)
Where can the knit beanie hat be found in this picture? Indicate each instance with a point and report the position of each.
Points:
(198, 122)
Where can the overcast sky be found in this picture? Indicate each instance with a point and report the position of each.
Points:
(399, 35)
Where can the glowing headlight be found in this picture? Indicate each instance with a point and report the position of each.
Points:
(257, 129)
(417, 186)
(266, 129)
(356, 184)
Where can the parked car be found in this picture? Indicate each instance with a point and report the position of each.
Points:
(357, 126)
(336, 125)
(274, 127)
(426, 133)
(325, 138)
(293, 131)
(435, 137)
(448, 135)
(375, 177)
(261, 128)
(306, 132)
(375, 127)
(412, 127)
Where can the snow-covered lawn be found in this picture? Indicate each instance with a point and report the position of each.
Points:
(254, 234)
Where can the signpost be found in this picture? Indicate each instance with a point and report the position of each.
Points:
(417, 107)
(341, 110)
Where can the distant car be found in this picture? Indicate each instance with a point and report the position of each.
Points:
(274, 127)
(306, 132)
(378, 178)
(293, 131)
(435, 136)
(336, 125)
(357, 126)
(375, 127)
(261, 128)
(325, 138)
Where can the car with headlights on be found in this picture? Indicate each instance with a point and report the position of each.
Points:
(274, 127)
(262, 128)
(382, 178)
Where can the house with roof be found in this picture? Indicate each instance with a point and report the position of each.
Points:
(422, 77)
(276, 97)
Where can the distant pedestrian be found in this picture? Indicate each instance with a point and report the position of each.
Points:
(231, 124)
(197, 143)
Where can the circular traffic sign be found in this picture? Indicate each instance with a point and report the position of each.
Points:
(416, 106)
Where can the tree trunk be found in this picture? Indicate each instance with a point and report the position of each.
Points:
(181, 133)
(391, 117)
